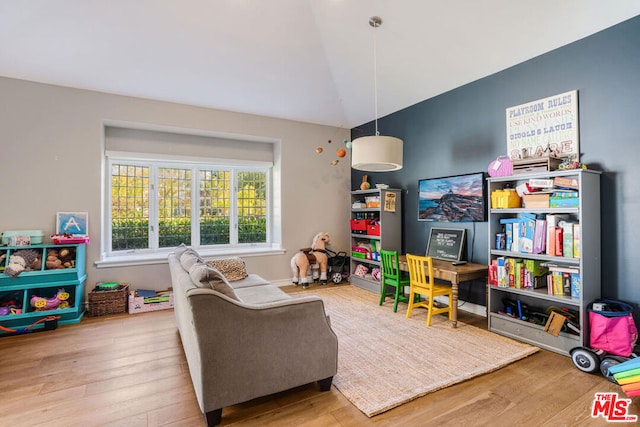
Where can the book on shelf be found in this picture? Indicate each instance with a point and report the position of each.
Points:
(564, 202)
(556, 280)
(552, 222)
(527, 228)
(565, 194)
(576, 285)
(566, 284)
(567, 238)
(536, 200)
(540, 183)
(565, 182)
(576, 240)
(540, 236)
(492, 273)
(558, 241)
(503, 279)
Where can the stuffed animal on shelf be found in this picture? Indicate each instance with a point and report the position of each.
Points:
(23, 260)
(62, 258)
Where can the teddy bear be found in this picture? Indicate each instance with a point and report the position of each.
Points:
(63, 258)
(23, 260)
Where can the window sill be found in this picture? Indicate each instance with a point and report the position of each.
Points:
(161, 258)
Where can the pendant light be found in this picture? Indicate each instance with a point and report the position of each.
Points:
(376, 153)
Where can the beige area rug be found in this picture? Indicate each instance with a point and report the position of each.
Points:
(385, 359)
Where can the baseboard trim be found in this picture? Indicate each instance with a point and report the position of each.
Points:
(467, 306)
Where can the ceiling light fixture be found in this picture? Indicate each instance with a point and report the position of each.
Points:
(376, 153)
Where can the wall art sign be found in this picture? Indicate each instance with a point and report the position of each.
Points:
(544, 127)
(75, 223)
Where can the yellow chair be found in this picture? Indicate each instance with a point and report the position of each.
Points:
(392, 277)
(422, 284)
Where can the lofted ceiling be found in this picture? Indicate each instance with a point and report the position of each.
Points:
(305, 60)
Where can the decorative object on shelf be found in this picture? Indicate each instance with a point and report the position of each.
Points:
(23, 260)
(537, 164)
(58, 301)
(382, 186)
(74, 223)
(63, 258)
(308, 257)
(502, 166)
(66, 238)
(376, 153)
(365, 184)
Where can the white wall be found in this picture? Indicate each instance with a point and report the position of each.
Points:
(51, 140)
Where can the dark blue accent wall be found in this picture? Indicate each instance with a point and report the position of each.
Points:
(463, 130)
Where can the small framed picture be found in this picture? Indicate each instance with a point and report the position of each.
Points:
(72, 223)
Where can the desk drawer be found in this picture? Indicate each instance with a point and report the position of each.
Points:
(532, 334)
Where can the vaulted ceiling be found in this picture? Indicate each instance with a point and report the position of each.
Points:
(306, 60)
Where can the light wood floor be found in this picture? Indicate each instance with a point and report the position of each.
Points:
(130, 370)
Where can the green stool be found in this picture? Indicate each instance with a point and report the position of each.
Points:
(392, 277)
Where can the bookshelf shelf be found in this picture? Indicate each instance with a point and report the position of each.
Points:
(587, 216)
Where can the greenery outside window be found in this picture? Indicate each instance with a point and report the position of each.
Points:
(156, 205)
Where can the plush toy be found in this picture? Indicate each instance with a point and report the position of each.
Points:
(23, 260)
(63, 258)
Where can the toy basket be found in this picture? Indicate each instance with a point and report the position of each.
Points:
(103, 302)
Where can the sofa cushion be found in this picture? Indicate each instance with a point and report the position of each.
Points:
(261, 294)
(205, 276)
(189, 258)
(233, 268)
(251, 280)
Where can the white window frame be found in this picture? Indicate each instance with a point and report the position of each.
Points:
(155, 254)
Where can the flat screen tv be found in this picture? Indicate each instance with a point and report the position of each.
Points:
(457, 198)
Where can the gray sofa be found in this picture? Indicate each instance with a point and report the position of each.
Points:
(246, 338)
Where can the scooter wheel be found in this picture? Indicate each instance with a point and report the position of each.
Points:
(608, 362)
(585, 360)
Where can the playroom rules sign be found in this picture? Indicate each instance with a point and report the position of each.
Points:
(543, 127)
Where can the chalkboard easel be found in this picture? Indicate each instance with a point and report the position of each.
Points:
(446, 243)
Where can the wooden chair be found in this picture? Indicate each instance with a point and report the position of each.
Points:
(422, 283)
(392, 277)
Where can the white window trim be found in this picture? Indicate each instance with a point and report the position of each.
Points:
(159, 255)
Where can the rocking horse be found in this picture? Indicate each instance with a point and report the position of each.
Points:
(307, 257)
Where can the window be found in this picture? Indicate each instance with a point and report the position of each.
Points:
(157, 204)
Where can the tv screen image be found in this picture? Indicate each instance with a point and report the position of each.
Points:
(458, 198)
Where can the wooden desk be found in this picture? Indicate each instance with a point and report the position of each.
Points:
(455, 274)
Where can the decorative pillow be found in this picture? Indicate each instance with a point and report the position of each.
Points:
(180, 250)
(204, 275)
(233, 268)
(190, 257)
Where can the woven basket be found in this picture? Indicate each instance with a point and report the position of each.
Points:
(102, 303)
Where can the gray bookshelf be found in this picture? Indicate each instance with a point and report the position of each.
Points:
(587, 214)
(390, 232)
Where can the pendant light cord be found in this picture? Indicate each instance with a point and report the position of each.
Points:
(375, 75)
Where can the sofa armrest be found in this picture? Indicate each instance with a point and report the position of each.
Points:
(248, 351)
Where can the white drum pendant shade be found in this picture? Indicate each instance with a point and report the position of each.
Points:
(376, 153)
